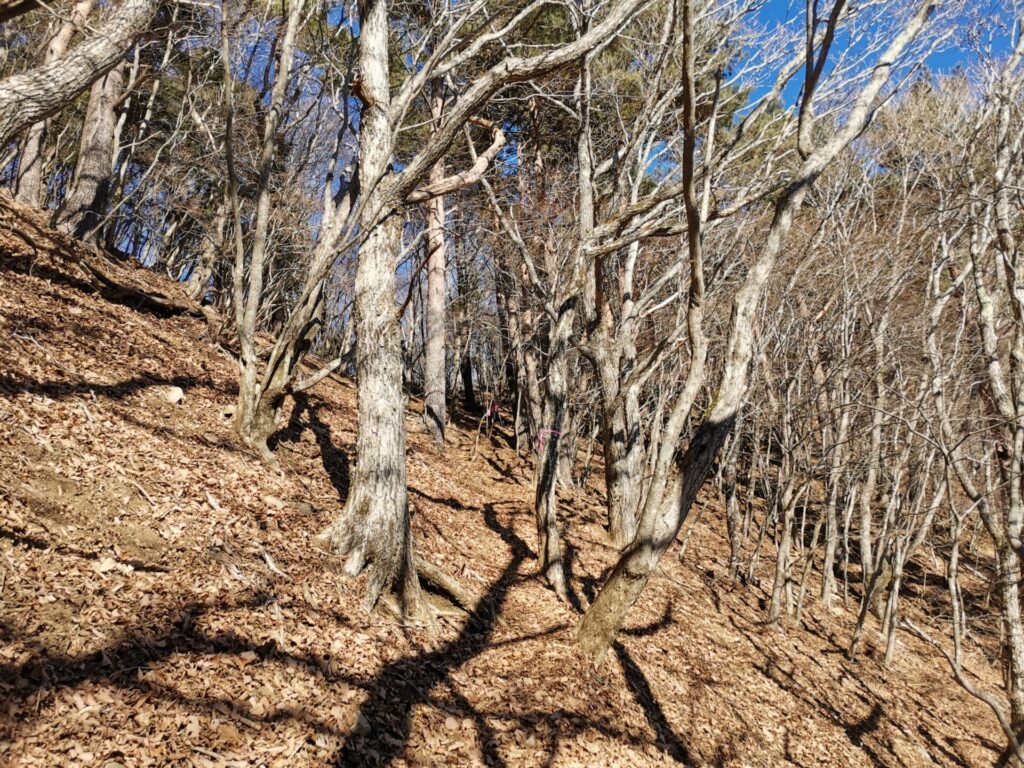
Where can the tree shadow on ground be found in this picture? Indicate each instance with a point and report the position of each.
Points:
(942, 748)
(175, 630)
(862, 731)
(155, 303)
(450, 502)
(505, 472)
(654, 627)
(334, 459)
(57, 390)
(569, 558)
(29, 541)
(385, 719)
(668, 741)
(46, 673)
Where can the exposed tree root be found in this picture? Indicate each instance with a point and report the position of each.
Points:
(120, 293)
(433, 574)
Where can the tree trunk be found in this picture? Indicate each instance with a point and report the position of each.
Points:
(828, 574)
(469, 401)
(546, 472)
(260, 401)
(733, 523)
(622, 469)
(29, 97)
(787, 504)
(627, 581)
(373, 530)
(213, 244)
(867, 497)
(1009, 578)
(435, 411)
(30, 189)
(87, 201)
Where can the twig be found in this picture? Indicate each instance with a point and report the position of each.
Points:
(88, 414)
(272, 565)
(142, 491)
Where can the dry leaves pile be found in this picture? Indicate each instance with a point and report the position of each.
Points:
(161, 602)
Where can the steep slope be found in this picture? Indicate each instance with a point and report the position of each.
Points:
(162, 602)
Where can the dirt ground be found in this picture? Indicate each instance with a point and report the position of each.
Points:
(162, 601)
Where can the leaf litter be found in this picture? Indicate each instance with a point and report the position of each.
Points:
(162, 601)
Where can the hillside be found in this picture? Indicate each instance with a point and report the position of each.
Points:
(162, 601)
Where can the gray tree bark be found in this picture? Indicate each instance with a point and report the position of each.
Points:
(435, 412)
(88, 198)
(30, 186)
(373, 530)
(29, 97)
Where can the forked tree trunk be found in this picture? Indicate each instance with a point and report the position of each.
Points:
(657, 531)
(620, 411)
(660, 525)
(30, 189)
(260, 400)
(87, 201)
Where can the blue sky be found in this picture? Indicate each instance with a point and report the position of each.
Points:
(956, 53)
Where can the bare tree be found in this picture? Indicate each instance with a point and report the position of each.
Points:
(659, 525)
(435, 394)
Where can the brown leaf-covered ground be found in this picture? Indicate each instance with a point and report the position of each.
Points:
(162, 601)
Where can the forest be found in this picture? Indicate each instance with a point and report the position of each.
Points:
(547, 382)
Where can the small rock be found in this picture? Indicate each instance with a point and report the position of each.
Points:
(362, 725)
(174, 395)
(105, 565)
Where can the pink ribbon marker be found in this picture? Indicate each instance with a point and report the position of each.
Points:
(540, 437)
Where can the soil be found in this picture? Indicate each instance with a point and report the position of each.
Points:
(163, 602)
